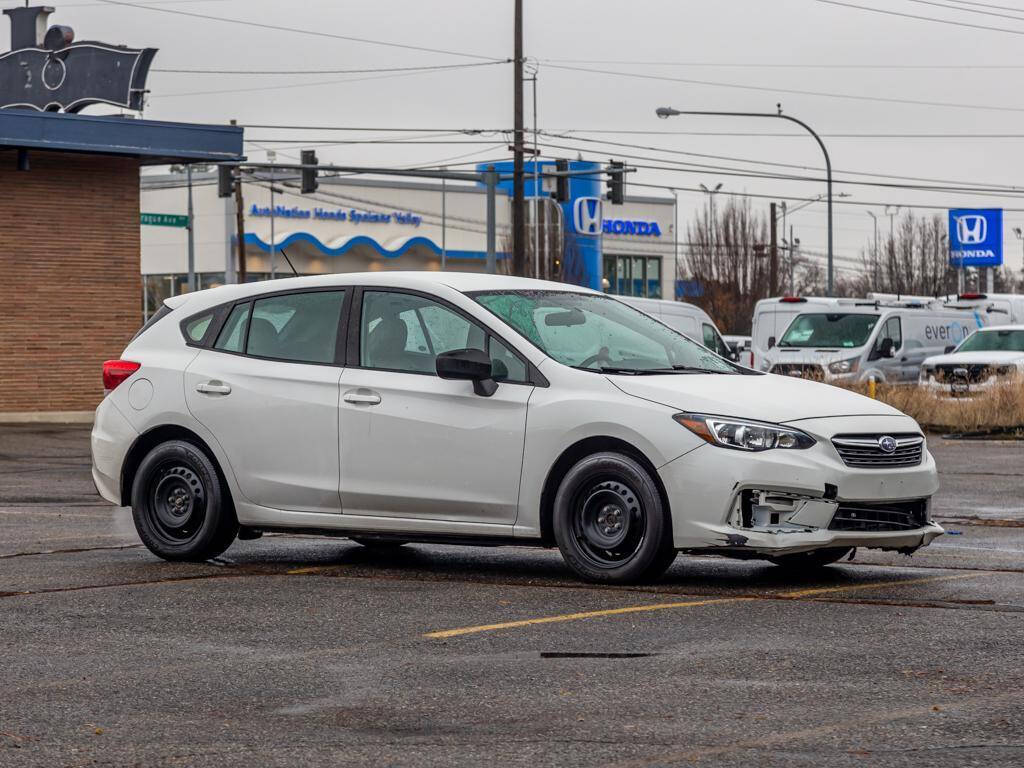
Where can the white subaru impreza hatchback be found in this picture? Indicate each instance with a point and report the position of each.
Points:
(478, 409)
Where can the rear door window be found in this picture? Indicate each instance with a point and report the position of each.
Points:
(232, 335)
(299, 327)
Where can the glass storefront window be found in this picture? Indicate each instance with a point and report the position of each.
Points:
(633, 275)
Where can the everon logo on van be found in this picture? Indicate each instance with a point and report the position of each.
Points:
(949, 332)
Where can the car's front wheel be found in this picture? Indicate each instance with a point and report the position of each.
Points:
(180, 509)
(610, 523)
(809, 561)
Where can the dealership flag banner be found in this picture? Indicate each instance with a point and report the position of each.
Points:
(976, 237)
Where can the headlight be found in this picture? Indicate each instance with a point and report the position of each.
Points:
(844, 366)
(1006, 370)
(741, 434)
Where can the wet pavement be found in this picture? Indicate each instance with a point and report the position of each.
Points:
(303, 651)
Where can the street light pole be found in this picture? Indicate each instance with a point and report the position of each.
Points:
(875, 219)
(675, 240)
(711, 215)
(666, 112)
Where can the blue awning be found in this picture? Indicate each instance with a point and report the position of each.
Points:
(345, 244)
(154, 142)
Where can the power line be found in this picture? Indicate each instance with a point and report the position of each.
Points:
(778, 65)
(766, 89)
(289, 86)
(923, 18)
(777, 164)
(311, 32)
(967, 10)
(426, 68)
(689, 167)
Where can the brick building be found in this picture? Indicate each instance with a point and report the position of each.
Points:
(70, 248)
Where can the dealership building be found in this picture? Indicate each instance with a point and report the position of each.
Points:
(354, 224)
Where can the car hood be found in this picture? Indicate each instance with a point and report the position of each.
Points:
(954, 358)
(820, 355)
(765, 397)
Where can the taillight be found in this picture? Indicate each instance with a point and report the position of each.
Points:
(792, 300)
(116, 371)
(970, 296)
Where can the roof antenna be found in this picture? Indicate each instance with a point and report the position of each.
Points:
(285, 254)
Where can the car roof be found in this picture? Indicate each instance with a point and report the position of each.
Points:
(464, 282)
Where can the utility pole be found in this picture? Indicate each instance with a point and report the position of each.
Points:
(191, 234)
(875, 256)
(773, 252)
(491, 180)
(240, 226)
(518, 211)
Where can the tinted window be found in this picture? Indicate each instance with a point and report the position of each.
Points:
(994, 341)
(403, 332)
(232, 335)
(196, 327)
(301, 326)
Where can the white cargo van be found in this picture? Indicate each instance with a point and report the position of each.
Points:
(771, 319)
(688, 319)
(993, 308)
(856, 340)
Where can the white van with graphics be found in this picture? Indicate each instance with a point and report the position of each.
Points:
(855, 341)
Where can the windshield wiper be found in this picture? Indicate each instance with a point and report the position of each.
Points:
(696, 369)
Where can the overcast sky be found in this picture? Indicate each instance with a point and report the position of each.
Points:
(772, 49)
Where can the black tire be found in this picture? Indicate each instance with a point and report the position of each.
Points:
(810, 561)
(180, 507)
(382, 544)
(609, 522)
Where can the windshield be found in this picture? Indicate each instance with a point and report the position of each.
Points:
(829, 330)
(994, 341)
(594, 332)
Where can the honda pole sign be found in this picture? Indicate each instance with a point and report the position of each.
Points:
(976, 237)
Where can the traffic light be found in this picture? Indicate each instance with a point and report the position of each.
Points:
(616, 182)
(562, 182)
(225, 181)
(309, 182)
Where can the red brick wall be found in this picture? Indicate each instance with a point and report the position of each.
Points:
(69, 276)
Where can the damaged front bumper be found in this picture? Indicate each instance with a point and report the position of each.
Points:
(786, 501)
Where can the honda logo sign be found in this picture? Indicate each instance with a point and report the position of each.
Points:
(586, 216)
(972, 229)
(976, 237)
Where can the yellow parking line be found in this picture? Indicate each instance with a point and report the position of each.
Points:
(801, 593)
(582, 615)
(316, 569)
(876, 585)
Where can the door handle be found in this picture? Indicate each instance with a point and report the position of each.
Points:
(213, 388)
(364, 397)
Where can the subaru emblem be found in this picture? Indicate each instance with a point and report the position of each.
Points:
(887, 444)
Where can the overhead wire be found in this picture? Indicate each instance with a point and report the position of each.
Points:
(922, 18)
(296, 30)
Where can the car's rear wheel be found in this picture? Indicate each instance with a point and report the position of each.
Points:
(610, 523)
(809, 561)
(179, 506)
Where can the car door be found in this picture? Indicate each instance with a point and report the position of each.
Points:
(892, 368)
(268, 391)
(414, 445)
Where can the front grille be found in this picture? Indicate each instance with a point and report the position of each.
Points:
(800, 370)
(864, 451)
(973, 373)
(890, 516)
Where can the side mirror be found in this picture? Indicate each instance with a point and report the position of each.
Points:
(468, 365)
(885, 348)
(771, 342)
(949, 349)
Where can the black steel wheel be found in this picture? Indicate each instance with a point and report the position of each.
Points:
(610, 523)
(179, 505)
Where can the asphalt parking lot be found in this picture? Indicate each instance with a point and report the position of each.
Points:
(298, 651)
